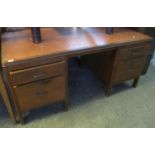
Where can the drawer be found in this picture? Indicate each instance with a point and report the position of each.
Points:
(129, 69)
(37, 73)
(133, 52)
(131, 63)
(40, 93)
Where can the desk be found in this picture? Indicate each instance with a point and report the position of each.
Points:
(36, 74)
(5, 97)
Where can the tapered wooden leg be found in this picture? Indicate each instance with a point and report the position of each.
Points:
(135, 82)
(20, 118)
(5, 97)
(108, 90)
(66, 105)
(66, 87)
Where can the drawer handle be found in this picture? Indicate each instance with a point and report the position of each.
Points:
(130, 65)
(41, 93)
(46, 81)
(135, 53)
(37, 76)
(129, 70)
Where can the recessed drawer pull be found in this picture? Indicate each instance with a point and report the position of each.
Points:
(37, 76)
(46, 81)
(40, 73)
(129, 70)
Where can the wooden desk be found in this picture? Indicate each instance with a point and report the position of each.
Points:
(6, 100)
(36, 74)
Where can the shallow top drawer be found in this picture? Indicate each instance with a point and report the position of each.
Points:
(37, 73)
(133, 52)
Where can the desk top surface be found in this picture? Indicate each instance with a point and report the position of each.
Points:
(18, 46)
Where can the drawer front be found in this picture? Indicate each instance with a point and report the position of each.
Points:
(129, 69)
(37, 73)
(133, 52)
(40, 93)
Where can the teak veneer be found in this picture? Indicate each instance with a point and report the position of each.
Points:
(36, 74)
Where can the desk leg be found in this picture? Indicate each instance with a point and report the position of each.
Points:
(135, 82)
(66, 87)
(6, 99)
(108, 90)
(66, 105)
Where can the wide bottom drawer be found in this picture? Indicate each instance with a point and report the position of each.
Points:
(40, 93)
